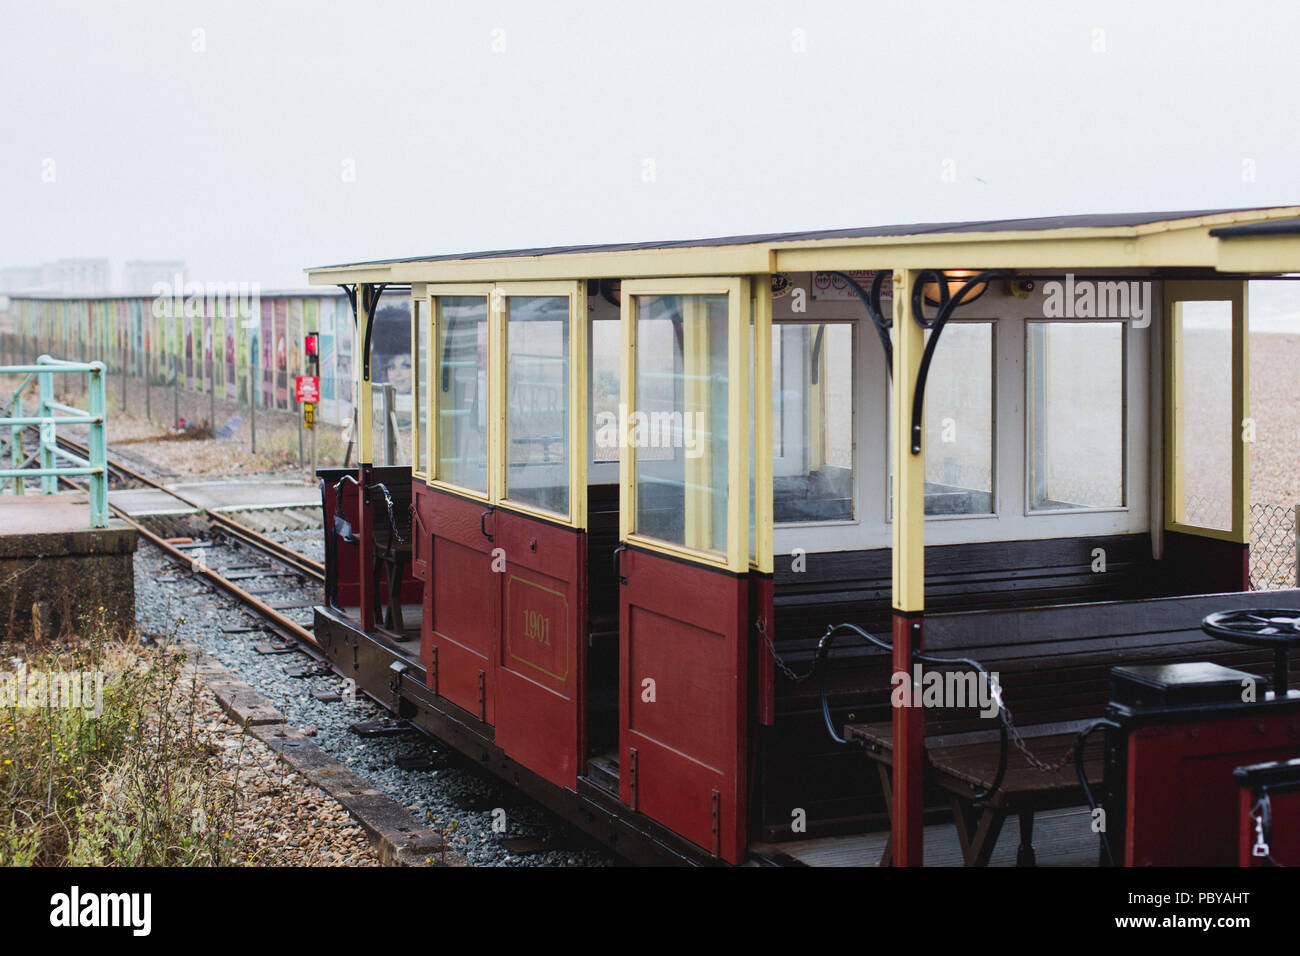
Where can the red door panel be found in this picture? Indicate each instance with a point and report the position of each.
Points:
(1181, 796)
(541, 654)
(682, 737)
(458, 642)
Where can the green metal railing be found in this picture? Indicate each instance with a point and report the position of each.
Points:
(48, 416)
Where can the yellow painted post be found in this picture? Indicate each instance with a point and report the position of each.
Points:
(497, 406)
(908, 576)
(739, 370)
(762, 424)
(362, 404)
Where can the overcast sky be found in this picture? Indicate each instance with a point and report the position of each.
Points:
(253, 139)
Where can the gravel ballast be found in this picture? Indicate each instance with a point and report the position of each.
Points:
(170, 600)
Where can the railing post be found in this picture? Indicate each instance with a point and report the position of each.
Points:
(97, 448)
(45, 389)
(16, 449)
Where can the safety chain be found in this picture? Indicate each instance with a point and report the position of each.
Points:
(1024, 748)
(785, 668)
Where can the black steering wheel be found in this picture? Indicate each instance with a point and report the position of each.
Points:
(1275, 628)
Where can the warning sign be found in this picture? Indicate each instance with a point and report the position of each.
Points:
(307, 388)
(309, 415)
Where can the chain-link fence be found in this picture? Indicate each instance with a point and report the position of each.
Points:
(1272, 546)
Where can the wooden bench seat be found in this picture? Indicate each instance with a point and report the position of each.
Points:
(1053, 664)
(963, 767)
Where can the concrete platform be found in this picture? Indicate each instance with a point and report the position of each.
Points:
(56, 571)
(216, 496)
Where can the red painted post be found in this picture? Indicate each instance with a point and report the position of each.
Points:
(366, 560)
(909, 748)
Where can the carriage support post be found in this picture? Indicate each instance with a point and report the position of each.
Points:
(365, 456)
(908, 578)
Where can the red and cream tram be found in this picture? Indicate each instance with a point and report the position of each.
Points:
(649, 482)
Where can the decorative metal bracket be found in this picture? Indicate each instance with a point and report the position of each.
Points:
(872, 302)
(370, 293)
(947, 305)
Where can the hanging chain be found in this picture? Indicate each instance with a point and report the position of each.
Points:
(785, 668)
(1020, 744)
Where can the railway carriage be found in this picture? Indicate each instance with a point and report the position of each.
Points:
(654, 484)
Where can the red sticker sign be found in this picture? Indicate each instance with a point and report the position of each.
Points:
(307, 388)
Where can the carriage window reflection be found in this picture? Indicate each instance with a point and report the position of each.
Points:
(1074, 373)
(959, 423)
(537, 402)
(1205, 433)
(678, 428)
(812, 422)
(461, 391)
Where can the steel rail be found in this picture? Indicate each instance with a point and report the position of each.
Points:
(276, 550)
(284, 626)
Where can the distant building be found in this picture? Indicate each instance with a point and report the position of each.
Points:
(20, 278)
(140, 275)
(61, 277)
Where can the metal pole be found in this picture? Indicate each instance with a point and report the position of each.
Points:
(98, 452)
(45, 388)
(212, 396)
(300, 458)
(252, 411)
(176, 391)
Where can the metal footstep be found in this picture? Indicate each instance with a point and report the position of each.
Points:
(380, 728)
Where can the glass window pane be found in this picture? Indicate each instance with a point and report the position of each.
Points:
(419, 344)
(461, 391)
(1205, 432)
(606, 368)
(1075, 382)
(959, 417)
(679, 425)
(959, 422)
(537, 401)
(812, 399)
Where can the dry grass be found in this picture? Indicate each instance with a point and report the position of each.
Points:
(157, 777)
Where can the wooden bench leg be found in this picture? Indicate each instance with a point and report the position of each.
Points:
(964, 819)
(978, 847)
(1025, 852)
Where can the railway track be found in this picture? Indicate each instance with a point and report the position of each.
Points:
(225, 579)
(459, 791)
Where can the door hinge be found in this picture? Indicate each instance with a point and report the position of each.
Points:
(433, 669)
(482, 696)
(717, 823)
(631, 778)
